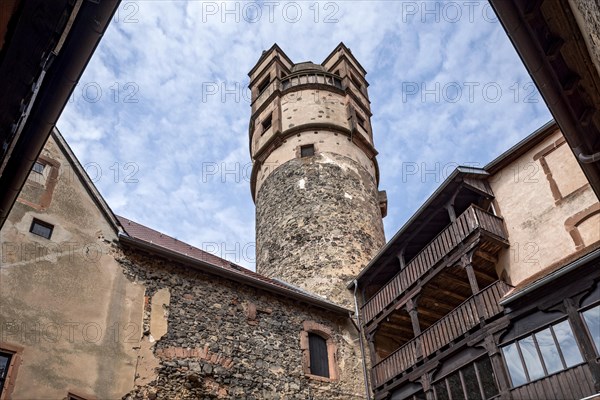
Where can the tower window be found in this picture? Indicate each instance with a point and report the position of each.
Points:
(319, 359)
(264, 84)
(38, 167)
(307, 150)
(41, 228)
(266, 124)
(356, 82)
(360, 120)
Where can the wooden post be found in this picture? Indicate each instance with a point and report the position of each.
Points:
(426, 384)
(451, 212)
(401, 259)
(411, 308)
(475, 289)
(472, 278)
(371, 343)
(498, 366)
(450, 205)
(579, 330)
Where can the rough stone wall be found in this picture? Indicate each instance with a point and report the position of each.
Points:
(318, 224)
(226, 340)
(587, 13)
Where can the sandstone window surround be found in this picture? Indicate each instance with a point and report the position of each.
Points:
(312, 327)
(562, 184)
(574, 224)
(10, 360)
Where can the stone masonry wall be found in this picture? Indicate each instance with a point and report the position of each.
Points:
(318, 223)
(223, 340)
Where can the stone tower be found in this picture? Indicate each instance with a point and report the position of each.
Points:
(315, 177)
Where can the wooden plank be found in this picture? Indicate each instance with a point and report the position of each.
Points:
(556, 387)
(547, 385)
(589, 378)
(572, 382)
(448, 236)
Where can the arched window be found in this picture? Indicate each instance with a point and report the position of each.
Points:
(318, 352)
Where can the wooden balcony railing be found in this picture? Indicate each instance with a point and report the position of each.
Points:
(451, 327)
(472, 219)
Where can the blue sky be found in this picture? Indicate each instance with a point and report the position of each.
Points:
(160, 117)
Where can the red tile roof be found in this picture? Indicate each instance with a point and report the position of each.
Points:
(156, 238)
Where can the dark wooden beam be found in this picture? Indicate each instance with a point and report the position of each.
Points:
(487, 256)
(432, 314)
(484, 275)
(447, 292)
(456, 281)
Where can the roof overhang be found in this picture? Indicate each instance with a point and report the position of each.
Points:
(60, 37)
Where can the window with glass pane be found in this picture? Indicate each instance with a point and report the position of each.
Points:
(469, 383)
(485, 372)
(568, 345)
(549, 351)
(41, 228)
(557, 347)
(456, 389)
(514, 364)
(441, 393)
(531, 358)
(472, 389)
(592, 320)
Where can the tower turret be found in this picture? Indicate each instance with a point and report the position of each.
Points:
(315, 177)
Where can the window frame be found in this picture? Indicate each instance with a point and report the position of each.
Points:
(326, 333)
(460, 372)
(266, 123)
(304, 147)
(263, 85)
(531, 334)
(44, 224)
(40, 163)
(587, 328)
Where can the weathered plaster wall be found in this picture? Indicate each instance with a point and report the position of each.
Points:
(66, 300)
(549, 209)
(318, 224)
(226, 340)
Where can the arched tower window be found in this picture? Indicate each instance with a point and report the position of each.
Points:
(318, 352)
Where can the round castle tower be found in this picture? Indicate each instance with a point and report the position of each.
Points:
(315, 177)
